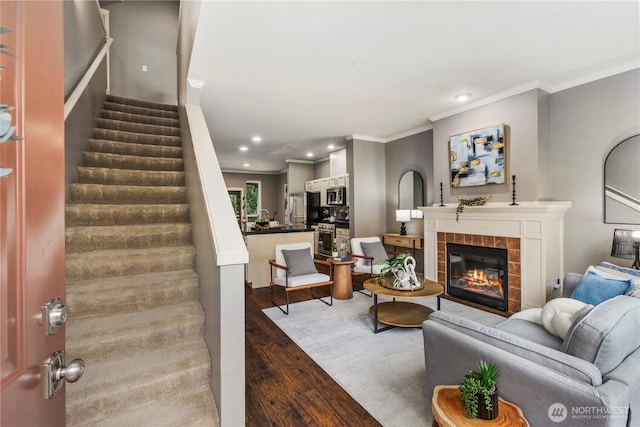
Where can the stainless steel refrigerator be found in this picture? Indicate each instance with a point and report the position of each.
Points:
(304, 209)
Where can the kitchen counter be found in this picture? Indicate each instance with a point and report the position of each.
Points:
(281, 229)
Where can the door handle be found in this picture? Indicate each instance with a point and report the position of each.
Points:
(55, 373)
(55, 315)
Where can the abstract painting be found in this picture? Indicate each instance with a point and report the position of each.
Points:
(478, 157)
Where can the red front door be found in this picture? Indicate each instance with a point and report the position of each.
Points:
(32, 199)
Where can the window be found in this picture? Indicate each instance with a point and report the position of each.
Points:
(253, 202)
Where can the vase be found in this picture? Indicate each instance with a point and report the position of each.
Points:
(483, 412)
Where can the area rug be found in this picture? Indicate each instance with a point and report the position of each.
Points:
(384, 372)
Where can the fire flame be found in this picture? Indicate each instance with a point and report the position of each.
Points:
(479, 278)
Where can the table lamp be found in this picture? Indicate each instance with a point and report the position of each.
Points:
(403, 216)
(626, 244)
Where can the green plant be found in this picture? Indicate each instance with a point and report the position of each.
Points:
(391, 264)
(475, 383)
(476, 201)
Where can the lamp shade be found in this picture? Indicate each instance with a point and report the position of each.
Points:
(624, 242)
(403, 215)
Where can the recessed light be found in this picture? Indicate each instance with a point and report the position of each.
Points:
(256, 139)
(331, 147)
(243, 148)
(246, 165)
(355, 64)
(463, 97)
(309, 154)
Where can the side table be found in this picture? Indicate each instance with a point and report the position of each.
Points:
(448, 411)
(342, 286)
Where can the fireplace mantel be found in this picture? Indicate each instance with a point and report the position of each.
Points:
(538, 225)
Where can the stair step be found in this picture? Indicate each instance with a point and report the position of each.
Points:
(140, 138)
(141, 103)
(193, 410)
(127, 294)
(131, 109)
(124, 334)
(117, 263)
(123, 214)
(81, 239)
(90, 175)
(137, 127)
(122, 161)
(133, 149)
(126, 194)
(139, 118)
(109, 388)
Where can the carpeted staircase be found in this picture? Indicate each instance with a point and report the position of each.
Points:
(132, 291)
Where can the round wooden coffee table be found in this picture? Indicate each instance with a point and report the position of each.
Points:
(400, 313)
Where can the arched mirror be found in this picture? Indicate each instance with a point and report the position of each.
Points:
(410, 190)
(622, 183)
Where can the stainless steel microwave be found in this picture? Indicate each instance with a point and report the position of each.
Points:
(337, 196)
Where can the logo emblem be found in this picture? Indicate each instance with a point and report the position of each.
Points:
(557, 412)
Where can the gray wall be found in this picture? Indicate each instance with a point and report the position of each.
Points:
(367, 184)
(321, 169)
(269, 188)
(83, 38)
(587, 121)
(78, 126)
(144, 33)
(520, 113)
(298, 174)
(414, 152)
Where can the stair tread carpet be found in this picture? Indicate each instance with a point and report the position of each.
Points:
(137, 127)
(91, 238)
(139, 118)
(133, 149)
(113, 214)
(132, 109)
(108, 176)
(141, 103)
(102, 297)
(126, 194)
(114, 385)
(140, 138)
(124, 161)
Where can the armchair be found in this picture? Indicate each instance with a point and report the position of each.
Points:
(295, 269)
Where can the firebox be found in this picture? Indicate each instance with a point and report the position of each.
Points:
(478, 274)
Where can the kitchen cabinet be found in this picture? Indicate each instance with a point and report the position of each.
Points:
(322, 184)
(338, 181)
(312, 186)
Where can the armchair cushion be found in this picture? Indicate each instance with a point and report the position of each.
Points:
(299, 262)
(594, 289)
(607, 334)
(306, 279)
(375, 250)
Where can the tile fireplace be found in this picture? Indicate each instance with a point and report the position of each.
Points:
(532, 234)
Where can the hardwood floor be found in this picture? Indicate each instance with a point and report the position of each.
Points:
(284, 386)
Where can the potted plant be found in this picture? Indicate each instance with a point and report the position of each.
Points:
(479, 392)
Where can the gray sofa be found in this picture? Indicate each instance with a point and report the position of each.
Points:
(592, 378)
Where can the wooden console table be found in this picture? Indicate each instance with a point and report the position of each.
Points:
(409, 241)
(448, 411)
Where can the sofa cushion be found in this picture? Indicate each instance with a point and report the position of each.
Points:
(594, 289)
(607, 334)
(531, 331)
(299, 262)
(549, 357)
(608, 270)
(558, 315)
(376, 251)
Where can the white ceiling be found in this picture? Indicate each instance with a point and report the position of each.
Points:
(285, 70)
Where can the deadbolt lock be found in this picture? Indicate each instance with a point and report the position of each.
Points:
(55, 373)
(55, 315)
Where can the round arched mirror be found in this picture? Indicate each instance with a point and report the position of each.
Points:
(410, 190)
(622, 183)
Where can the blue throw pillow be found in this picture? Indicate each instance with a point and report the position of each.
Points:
(593, 289)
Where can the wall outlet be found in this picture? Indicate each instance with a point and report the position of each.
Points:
(555, 283)
(144, 68)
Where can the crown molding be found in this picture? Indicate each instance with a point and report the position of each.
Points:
(595, 76)
(488, 100)
(250, 172)
(364, 138)
(306, 162)
(407, 133)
